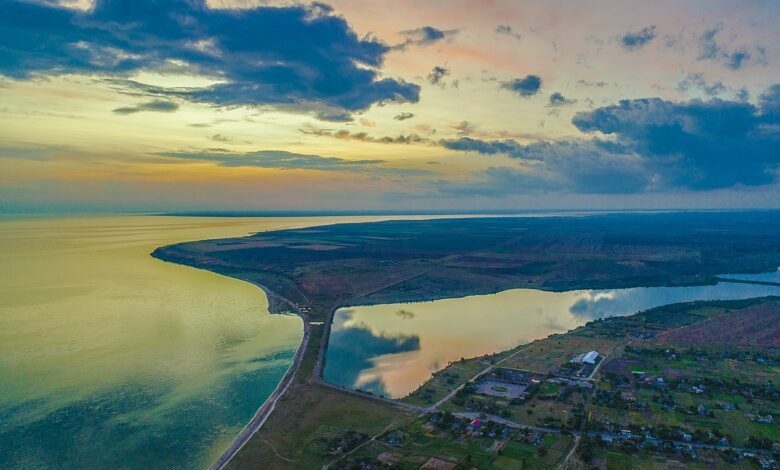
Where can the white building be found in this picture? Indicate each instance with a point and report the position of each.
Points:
(590, 358)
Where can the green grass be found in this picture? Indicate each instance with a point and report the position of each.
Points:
(506, 463)
(549, 389)
(616, 461)
(445, 381)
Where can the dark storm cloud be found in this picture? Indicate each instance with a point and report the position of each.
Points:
(638, 39)
(698, 144)
(735, 59)
(296, 57)
(654, 144)
(437, 74)
(155, 106)
(557, 99)
(424, 36)
(526, 86)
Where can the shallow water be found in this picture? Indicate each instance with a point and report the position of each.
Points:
(773, 276)
(392, 349)
(111, 358)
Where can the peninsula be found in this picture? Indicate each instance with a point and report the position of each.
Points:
(314, 271)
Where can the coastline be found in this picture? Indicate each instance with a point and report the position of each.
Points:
(309, 361)
(268, 406)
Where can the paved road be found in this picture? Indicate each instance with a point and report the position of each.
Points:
(504, 421)
(268, 407)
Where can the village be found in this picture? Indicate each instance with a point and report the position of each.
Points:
(609, 395)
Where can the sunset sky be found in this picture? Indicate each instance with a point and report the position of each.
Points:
(158, 105)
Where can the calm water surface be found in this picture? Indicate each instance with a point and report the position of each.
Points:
(392, 349)
(773, 276)
(110, 358)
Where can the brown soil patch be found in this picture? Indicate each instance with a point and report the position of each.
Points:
(758, 325)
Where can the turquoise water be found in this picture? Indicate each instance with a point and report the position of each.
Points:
(392, 349)
(110, 358)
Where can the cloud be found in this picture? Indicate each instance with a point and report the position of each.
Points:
(365, 137)
(507, 30)
(696, 145)
(638, 39)
(557, 99)
(277, 159)
(653, 144)
(769, 101)
(282, 160)
(735, 59)
(222, 138)
(591, 175)
(465, 128)
(299, 58)
(403, 116)
(155, 106)
(526, 86)
(437, 74)
(696, 81)
(580, 166)
(424, 36)
(588, 83)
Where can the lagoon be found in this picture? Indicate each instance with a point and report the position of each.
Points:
(392, 349)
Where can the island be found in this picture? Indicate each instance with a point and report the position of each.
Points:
(588, 397)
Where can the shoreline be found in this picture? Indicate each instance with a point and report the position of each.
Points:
(268, 406)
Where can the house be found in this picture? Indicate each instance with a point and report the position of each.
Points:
(767, 462)
(474, 425)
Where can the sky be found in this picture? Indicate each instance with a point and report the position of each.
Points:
(181, 105)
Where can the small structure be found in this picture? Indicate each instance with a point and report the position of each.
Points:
(590, 358)
(585, 358)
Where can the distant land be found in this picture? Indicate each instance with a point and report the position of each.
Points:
(453, 212)
(314, 271)
(314, 213)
